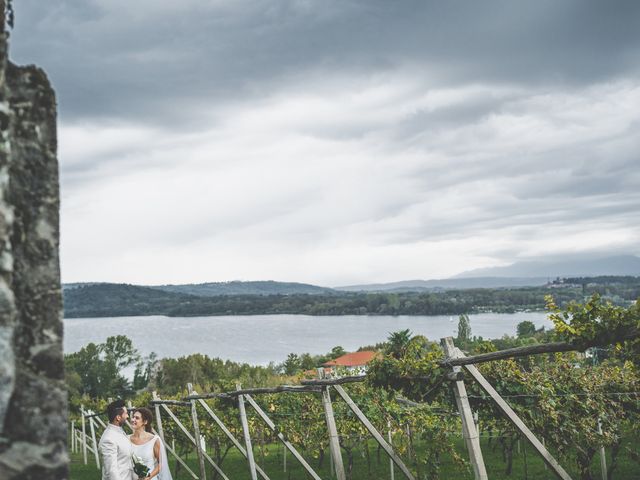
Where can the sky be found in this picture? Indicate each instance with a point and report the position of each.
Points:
(337, 142)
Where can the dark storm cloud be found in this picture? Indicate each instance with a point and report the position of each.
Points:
(143, 59)
(338, 141)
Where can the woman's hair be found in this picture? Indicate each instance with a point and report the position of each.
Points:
(147, 416)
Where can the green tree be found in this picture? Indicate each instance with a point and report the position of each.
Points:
(397, 342)
(464, 330)
(336, 352)
(292, 364)
(526, 329)
(119, 351)
(96, 369)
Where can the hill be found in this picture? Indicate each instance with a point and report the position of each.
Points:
(268, 287)
(119, 300)
(620, 265)
(446, 284)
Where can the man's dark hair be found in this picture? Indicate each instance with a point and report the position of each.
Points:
(114, 409)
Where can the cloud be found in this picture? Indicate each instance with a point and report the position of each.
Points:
(158, 60)
(337, 143)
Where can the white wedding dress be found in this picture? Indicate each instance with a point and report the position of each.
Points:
(145, 452)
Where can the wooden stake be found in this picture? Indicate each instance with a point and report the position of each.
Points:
(334, 440)
(469, 431)
(95, 443)
(196, 434)
(517, 422)
(84, 436)
(73, 437)
(603, 456)
(392, 473)
(247, 436)
(282, 438)
(156, 407)
(229, 435)
(369, 426)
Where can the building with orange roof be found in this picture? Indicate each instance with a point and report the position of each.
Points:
(352, 363)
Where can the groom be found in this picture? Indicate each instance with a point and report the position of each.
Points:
(115, 446)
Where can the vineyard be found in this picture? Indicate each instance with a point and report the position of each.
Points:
(423, 411)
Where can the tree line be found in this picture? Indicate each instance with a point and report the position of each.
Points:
(111, 300)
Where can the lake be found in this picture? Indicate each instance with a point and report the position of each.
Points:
(260, 339)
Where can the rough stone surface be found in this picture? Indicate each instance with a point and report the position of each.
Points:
(33, 422)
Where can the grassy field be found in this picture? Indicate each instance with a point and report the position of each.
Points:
(526, 465)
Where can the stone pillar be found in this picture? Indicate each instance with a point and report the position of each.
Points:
(33, 403)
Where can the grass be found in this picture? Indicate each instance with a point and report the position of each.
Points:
(235, 466)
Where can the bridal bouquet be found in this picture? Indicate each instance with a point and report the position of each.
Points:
(139, 468)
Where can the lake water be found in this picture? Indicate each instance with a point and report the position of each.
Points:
(260, 339)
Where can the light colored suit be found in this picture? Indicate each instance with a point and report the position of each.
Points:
(116, 451)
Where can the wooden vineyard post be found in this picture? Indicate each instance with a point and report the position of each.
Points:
(160, 433)
(334, 440)
(517, 422)
(196, 434)
(95, 443)
(468, 425)
(73, 437)
(282, 438)
(603, 456)
(247, 436)
(156, 407)
(391, 472)
(229, 435)
(369, 426)
(78, 440)
(84, 436)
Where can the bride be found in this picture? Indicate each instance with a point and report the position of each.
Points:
(148, 446)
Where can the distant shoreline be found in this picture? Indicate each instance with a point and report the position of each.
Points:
(490, 312)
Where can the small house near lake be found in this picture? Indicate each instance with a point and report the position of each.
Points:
(351, 363)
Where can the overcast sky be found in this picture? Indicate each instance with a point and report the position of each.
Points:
(338, 142)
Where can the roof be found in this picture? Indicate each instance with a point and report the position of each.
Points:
(355, 359)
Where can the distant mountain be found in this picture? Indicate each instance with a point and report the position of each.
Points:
(622, 265)
(445, 284)
(268, 287)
